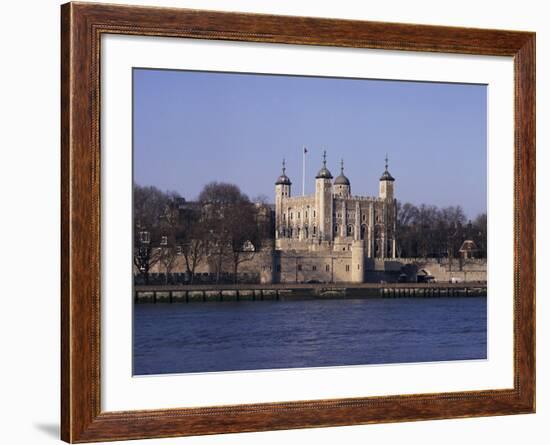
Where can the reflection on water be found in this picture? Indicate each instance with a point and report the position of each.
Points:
(201, 337)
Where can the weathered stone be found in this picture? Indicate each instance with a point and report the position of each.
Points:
(229, 295)
(212, 295)
(195, 296)
(246, 295)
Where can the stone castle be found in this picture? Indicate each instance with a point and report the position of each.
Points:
(333, 236)
(332, 233)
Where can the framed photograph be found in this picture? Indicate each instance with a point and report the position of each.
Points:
(275, 222)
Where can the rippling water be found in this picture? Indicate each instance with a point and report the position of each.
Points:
(201, 337)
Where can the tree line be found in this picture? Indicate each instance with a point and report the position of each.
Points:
(428, 231)
(222, 226)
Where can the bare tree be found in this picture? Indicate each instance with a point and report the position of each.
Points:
(479, 233)
(428, 231)
(149, 203)
(243, 234)
(167, 257)
(145, 258)
(217, 198)
(232, 224)
(194, 251)
(156, 225)
(193, 240)
(170, 228)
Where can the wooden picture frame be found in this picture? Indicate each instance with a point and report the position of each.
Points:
(82, 26)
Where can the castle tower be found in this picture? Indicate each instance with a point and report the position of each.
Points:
(323, 201)
(357, 222)
(282, 192)
(358, 261)
(344, 225)
(342, 186)
(357, 250)
(386, 184)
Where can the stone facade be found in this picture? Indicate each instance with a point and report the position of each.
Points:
(275, 266)
(332, 231)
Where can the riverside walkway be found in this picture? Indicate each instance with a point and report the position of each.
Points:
(264, 292)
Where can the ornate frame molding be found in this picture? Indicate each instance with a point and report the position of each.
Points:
(82, 25)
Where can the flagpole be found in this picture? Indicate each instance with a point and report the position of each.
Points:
(304, 151)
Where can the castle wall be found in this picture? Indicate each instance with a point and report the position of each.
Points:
(301, 267)
(331, 265)
(297, 217)
(457, 269)
(308, 222)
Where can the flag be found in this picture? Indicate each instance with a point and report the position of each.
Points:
(305, 150)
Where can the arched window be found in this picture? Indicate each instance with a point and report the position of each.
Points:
(335, 228)
(314, 230)
(363, 231)
(350, 230)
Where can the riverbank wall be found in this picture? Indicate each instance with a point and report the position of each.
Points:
(204, 294)
(296, 267)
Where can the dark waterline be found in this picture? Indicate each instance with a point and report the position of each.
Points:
(230, 336)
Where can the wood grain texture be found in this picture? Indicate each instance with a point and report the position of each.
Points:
(82, 27)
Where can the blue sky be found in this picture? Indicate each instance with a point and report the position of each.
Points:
(191, 128)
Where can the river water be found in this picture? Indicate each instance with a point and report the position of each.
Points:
(248, 335)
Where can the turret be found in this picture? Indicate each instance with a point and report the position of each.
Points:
(342, 186)
(386, 184)
(323, 200)
(282, 192)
